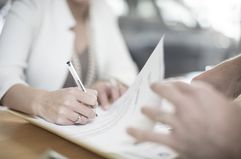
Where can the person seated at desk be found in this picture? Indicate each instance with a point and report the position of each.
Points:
(40, 36)
(207, 122)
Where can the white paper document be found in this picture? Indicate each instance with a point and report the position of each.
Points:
(107, 135)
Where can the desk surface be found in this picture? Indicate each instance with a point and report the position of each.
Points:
(22, 140)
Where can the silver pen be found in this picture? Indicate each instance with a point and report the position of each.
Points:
(76, 77)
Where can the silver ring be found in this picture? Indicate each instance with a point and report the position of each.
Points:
(78, 118)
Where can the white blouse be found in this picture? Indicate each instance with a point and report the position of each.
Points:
(37, 41)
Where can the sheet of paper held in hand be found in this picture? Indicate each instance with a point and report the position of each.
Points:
(106, 135)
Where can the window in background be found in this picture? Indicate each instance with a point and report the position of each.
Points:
(198, 32)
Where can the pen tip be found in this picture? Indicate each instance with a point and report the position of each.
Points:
(68, 63)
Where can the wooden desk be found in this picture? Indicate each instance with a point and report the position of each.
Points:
(22, 140)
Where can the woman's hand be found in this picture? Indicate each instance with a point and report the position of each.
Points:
(108, 92)
(67, 106)
(205, 124)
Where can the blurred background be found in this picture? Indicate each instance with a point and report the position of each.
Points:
(198, 33)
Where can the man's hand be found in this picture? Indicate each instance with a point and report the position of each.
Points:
(108, 92)
(205, 125)
(225, 77)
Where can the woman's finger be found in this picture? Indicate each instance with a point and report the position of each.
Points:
(103, 98)
(76, 118)
(88, 98)
(68, 117)
(63, 121)
(84, 110)
(92, 91)
(80, 119)
(114, 93)
(65, 112)
(122, 89)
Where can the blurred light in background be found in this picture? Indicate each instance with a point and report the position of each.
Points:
(119, 6)
(175, 12)
(222, 15)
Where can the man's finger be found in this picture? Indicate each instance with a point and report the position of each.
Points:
(183, 87)
(144, 136)
(151, 112)
(169, 92)
(199, 85)
(156, 114)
